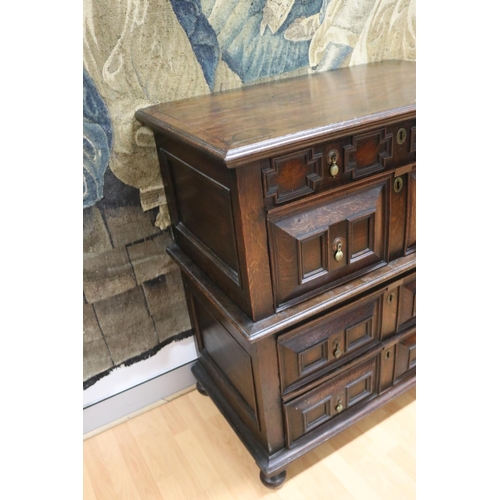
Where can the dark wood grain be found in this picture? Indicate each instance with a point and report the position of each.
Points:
(246, 124)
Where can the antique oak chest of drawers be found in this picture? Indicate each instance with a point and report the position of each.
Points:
(293, 221)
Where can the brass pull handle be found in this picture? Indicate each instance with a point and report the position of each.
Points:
(332, 160)
(339, 254)
(337, 352)
(339, 406)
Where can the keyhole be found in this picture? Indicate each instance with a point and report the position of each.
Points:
(390, 298)
(401, 136)
(398, 184)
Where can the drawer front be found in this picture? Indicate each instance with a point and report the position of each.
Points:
(399, 306)
(329, 400)
(330, 241)
(399, 360)
(334, 163)
(326, 343)
(405, 356)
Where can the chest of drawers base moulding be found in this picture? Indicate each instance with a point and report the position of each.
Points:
(293, 209)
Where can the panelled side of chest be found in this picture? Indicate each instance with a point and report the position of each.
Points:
(241, 377)
(218, 222)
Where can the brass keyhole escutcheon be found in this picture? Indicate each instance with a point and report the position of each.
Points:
(401, 136)
(332, 160)
(339, 254)
(398, 184)
(390, 298)
(339, 406)
(337, 352)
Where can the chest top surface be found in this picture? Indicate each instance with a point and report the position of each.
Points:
(243, 124)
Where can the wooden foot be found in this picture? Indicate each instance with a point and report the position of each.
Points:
(273, 482)
(200, 389)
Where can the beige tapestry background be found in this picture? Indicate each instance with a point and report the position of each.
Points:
(142, 52)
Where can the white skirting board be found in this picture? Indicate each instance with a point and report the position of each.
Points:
(135, 398)
(130, 388)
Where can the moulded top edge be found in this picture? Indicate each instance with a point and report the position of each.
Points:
(243, 123)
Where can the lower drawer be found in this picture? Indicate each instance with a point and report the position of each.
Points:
(330, 399)
(399, 359)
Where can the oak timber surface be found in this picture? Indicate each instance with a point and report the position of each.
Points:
(284, 319)
(185, 450)
(236, 124)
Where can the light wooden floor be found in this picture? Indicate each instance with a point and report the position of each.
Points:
(184, 449)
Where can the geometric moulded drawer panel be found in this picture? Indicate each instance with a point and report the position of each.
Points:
(319, 245)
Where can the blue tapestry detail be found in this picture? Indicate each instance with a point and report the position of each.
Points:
(97, 142)
(253, 55)
(335, 54)
(201, 36)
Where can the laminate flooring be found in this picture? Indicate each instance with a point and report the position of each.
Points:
(185, 450)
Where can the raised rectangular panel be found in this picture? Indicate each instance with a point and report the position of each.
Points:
(313, 256)
(407, 307)
(359, 334)
(361, 234)
(406, 356)
(411, 233)
(359, 389)
(230, 359)
(206, 227)
(318, 414)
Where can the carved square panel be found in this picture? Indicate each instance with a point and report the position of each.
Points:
(291, 176)
(368, 153)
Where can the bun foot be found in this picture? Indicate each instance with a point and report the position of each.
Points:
(200, 389)
(273, 482)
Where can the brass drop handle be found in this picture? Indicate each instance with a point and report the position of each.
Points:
(339, 406)
(332, 160)
(337, 352)
(339, 254)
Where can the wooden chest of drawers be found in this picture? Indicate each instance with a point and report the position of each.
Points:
(293, 221)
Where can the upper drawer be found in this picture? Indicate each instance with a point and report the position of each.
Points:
(320, 244)
(399, 306)
(337, 162)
